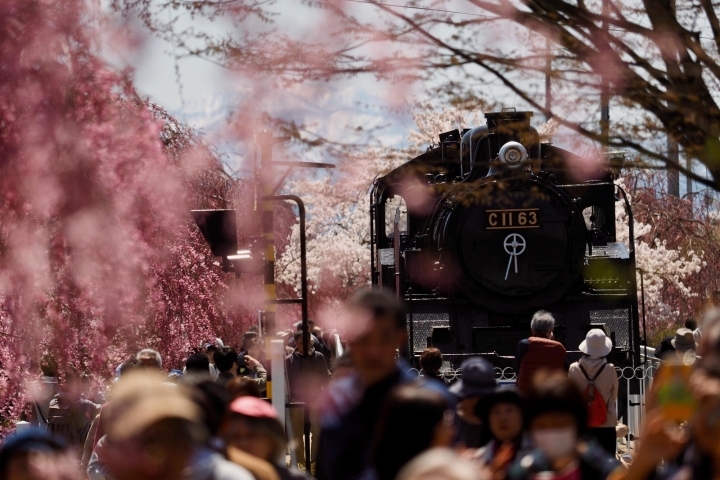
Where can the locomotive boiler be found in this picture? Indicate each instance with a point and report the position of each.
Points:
(487, 227)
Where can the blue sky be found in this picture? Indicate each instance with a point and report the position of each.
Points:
(203, 95)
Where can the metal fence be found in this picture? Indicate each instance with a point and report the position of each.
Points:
(635, 400)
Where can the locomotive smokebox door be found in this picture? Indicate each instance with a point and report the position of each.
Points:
(518, 245)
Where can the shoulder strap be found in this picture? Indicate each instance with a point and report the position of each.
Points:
(37, 407)
(596, 375)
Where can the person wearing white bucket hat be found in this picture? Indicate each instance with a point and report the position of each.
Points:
(598, 380)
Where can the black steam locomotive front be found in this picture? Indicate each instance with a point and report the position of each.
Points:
(486, 228)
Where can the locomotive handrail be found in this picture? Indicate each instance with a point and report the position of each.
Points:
(631, 222)
(470, 175)
(642, 290)
(635, 317)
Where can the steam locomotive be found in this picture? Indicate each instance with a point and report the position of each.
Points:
(487, 227)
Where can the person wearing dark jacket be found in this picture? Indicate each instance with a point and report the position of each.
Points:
(377, 327)
(478, 380)
(431, 362)
(413, 419)
(322, 347)
(225, 359)
(664, 348)
(307, 375)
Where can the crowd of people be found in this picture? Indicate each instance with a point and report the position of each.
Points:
(369, 417)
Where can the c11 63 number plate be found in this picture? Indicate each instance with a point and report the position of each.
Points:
(512, 218)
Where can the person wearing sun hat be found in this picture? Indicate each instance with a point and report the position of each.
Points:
(684, 342)
(594, 367)
(151, 429)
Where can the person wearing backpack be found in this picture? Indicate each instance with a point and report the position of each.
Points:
(70, 413)
(43, 391)
(598, 381)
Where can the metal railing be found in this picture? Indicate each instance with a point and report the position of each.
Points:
(503, 375)
(636, 398)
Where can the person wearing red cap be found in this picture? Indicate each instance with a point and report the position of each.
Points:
(252, 425)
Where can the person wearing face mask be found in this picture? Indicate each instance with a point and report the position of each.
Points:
(556, 417)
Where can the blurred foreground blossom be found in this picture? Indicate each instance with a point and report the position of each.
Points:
(96, 252)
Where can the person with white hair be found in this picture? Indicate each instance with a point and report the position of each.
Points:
(150, 358)
(538, 352)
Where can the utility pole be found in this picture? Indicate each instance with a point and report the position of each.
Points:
(673, 174)
(267, 140)
(605, 86)
(267, 175)
(548, 79)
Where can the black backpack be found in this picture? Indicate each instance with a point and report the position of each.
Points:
(67, 420)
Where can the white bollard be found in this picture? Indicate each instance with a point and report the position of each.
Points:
(277, 370)
(22, 425)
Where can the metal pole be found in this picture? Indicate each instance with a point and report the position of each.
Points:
(411, 336)
(303, 303)
(303, 263)
(306, 436)
(373, 245)
(642, 291)
(632, 273)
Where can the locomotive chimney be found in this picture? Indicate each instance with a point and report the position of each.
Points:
(512, 126)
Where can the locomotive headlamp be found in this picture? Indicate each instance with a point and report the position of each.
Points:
(513, 154)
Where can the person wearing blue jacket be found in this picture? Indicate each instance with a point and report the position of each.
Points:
(351, 408)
